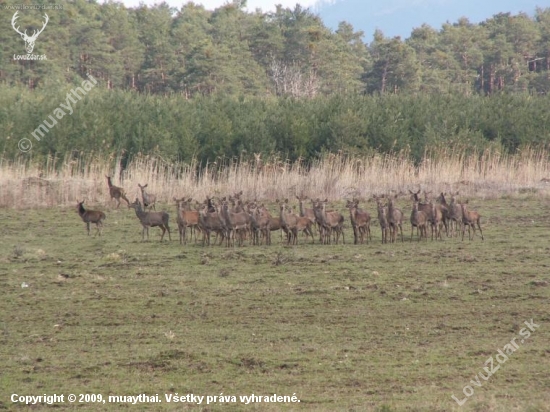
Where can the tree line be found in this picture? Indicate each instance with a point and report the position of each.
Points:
(289, 52)
(207, 128)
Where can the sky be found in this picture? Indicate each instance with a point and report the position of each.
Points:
(392, 17)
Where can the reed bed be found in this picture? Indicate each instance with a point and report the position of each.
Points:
(61, 182)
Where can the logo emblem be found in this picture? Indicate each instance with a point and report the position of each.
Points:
(29, 40)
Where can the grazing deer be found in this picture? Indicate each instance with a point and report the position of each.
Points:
(360, 222)
(382, 218)
(91, 216)
(149, 199)
(420, 221)
(395, 219)
(294, 224)
(470, 218)
(116, 192)
(151, 219)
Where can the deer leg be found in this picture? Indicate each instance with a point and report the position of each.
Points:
(480, 231)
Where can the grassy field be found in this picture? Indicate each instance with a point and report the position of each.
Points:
(395, 327)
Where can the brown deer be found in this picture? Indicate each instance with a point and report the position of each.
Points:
(455, 215)
(470, 218)
(420, 221)
(437, 216)
(236, 223)
(211, 222)
(330, 222)
(116, 192)
(186, 218)
(360, 222)
(149, 199)
(382, 218)
(395, 219)
(294, 224)
(260, 223)
(91, 216)
(151, 219)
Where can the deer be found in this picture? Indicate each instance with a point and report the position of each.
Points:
(186, 218)
(420, 221)
(149, 199)
(470, 218)
(29, 40)
(260, 224)
(382, 218)
(455, 214)
(395, 219)
(294, 223)
(91, 216)
(151, 219)
(210, 222)
(360, 222)
(437, 216)
(330, 222)
(116, 192)
(235, 223)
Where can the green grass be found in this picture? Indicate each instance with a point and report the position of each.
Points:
(373, 327)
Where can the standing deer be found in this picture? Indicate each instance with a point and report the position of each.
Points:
(236, 223)
(149, 199)
(91, 216)
(29, 40)
(470, 218)
(437, 216)
(395, 220)
(360, 222)
(151, 219)
(186, 218)
(382, 218)
(455, 215)
(211, 222)
(330, 222)
(420, 221)
(116, 192)
(294, 224)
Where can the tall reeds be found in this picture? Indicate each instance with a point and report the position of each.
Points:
(60, 182)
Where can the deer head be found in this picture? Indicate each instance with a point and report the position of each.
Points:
(29, 40)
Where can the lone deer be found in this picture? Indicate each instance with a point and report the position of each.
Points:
(91, 216)
(116, 192)
(470, 218)
(151, 219)
(149, 199)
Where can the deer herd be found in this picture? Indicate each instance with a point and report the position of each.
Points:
(235, 221)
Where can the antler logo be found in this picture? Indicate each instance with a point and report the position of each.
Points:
(29, 40)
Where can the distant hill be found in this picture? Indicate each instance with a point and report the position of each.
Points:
(400, 17)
